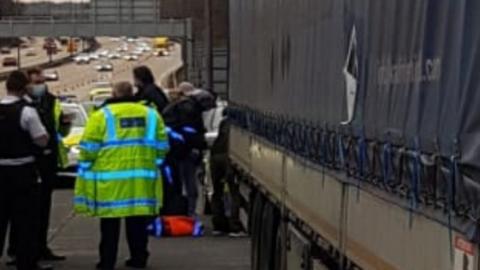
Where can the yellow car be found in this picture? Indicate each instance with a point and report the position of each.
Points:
(161, 42)
(100, 89)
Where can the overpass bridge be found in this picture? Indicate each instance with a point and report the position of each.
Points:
(104, 18)
(97, 18)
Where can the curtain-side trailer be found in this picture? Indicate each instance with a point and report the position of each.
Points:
(355, 132)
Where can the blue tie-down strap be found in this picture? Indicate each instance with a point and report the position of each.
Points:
(155, 228)
(175, 135)
(341, 152)
(387, 164)
(451, 199)
(188, 129)
(414, 192)
(167, 170)
(198, 228)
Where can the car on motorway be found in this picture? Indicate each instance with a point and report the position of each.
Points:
(104, 66)
(9, 62)
(161, 52)
(31, 52)
(93, 56)
(130, 57)
(82, 59)
(100, 89)
(123, 48)
(114, 55)
(67, 98)
(104, 53)
(137, 52)
(51, 75)
(101, 98)
(147, 49)
(5, 50)
(72, 140)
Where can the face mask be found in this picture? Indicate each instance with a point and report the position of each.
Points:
(39, 90)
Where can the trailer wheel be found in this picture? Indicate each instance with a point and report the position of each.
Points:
(255, 228)
(270, 224)
(280, 247)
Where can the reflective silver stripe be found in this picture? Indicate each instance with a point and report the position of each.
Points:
(17, 161)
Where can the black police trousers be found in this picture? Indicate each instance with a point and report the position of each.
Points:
(222, 174)
(137, 238)
(19, 207)
(47, 170)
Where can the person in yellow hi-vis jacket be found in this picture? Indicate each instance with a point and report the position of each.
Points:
(121, 151)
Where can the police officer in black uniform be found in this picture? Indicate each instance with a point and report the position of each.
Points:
(22, 132)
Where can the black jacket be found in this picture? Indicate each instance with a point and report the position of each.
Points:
(183, 113)
(153, 94)
(220, 146)
(45, 106)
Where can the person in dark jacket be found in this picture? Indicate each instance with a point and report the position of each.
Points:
(225, 207)
(22, 135)
(185, 117)
(148, 91)
(49, 160)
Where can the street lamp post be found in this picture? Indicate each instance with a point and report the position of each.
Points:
(19, 56)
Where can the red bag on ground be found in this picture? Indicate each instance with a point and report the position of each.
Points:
(176, 226)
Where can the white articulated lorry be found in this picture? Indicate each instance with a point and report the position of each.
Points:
(356, 132)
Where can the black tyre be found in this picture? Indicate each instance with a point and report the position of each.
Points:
(270, 223)
(280, 248)
(255, 229)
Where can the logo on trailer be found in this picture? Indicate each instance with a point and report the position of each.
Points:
(350, 71)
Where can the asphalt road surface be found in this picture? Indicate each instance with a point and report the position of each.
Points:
(78, 79)
(77, 238)
(40, 56)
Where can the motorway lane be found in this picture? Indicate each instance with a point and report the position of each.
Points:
(70, 73)
(78, 79)
(28, 61)
(42, 57)
(73, 76)
(77, 237)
